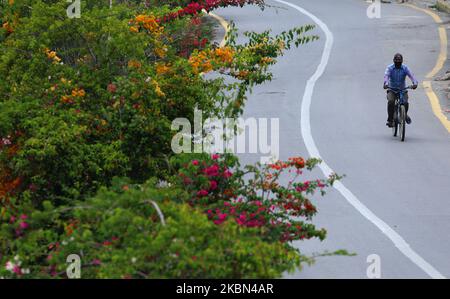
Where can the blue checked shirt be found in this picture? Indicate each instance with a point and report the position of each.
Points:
(396, 78)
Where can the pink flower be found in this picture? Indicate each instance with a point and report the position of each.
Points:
(195, 162)
(17, 270)
(202, 193)
(227, 174)
(243, 217)
(9, 266)
(23, 225)
(212, 171)
(221, 218)
(12, 219)
(212, 185)
(96, 262)
(6, 141)
(215, 157)
(23, 217)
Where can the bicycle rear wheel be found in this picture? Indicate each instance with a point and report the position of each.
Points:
(402, 123)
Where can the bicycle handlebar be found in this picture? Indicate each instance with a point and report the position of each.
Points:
(400, 90)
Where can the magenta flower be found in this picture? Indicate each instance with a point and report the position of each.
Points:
(24, 225)
(227, 174)
(222, 218)
(212, 171)
(215, 157)
(96, 262)
(17, 270)
(212, 185)
(202, 193)
(195, 162)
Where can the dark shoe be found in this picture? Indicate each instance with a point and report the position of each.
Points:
(408, 120)
(390, 124)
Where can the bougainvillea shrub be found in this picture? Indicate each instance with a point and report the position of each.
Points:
(85, 101)
(208, 221)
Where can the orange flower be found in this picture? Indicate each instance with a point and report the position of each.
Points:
(266, 60)
(67, 100)
(7, 27)
(78, 93)
(162, 69)
(52, 55)
(242, 75)
(134, 64)
(225, 55)
(161, 51)
(148, 22)
(140, 18)
(200, 62)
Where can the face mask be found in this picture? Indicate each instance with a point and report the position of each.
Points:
(398, 63)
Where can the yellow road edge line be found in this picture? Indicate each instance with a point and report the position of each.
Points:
(225, 26)
(434, 100)
(435, 105)
(442, 55)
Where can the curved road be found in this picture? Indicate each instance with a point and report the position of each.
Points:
(406, 186)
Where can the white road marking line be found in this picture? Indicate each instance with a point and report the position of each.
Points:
(398, 241)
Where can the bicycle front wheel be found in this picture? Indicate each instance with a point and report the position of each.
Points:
(402, 123)
(395, 127)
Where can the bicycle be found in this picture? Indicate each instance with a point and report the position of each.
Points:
(400, 112)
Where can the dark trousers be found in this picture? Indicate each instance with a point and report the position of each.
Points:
(391, 97)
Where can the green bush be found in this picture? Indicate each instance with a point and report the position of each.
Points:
(118, 234)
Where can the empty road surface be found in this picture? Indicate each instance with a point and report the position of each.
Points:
(395, 199)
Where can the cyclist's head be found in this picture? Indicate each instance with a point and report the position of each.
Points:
(398, 60)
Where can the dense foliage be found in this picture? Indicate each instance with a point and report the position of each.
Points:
(85, 101)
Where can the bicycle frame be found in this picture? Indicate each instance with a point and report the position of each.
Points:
(400, 100)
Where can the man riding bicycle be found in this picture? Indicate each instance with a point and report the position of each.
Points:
(394, 78)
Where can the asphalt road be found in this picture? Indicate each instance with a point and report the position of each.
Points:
(404, 185)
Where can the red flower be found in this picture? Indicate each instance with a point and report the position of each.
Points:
(112, 88)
